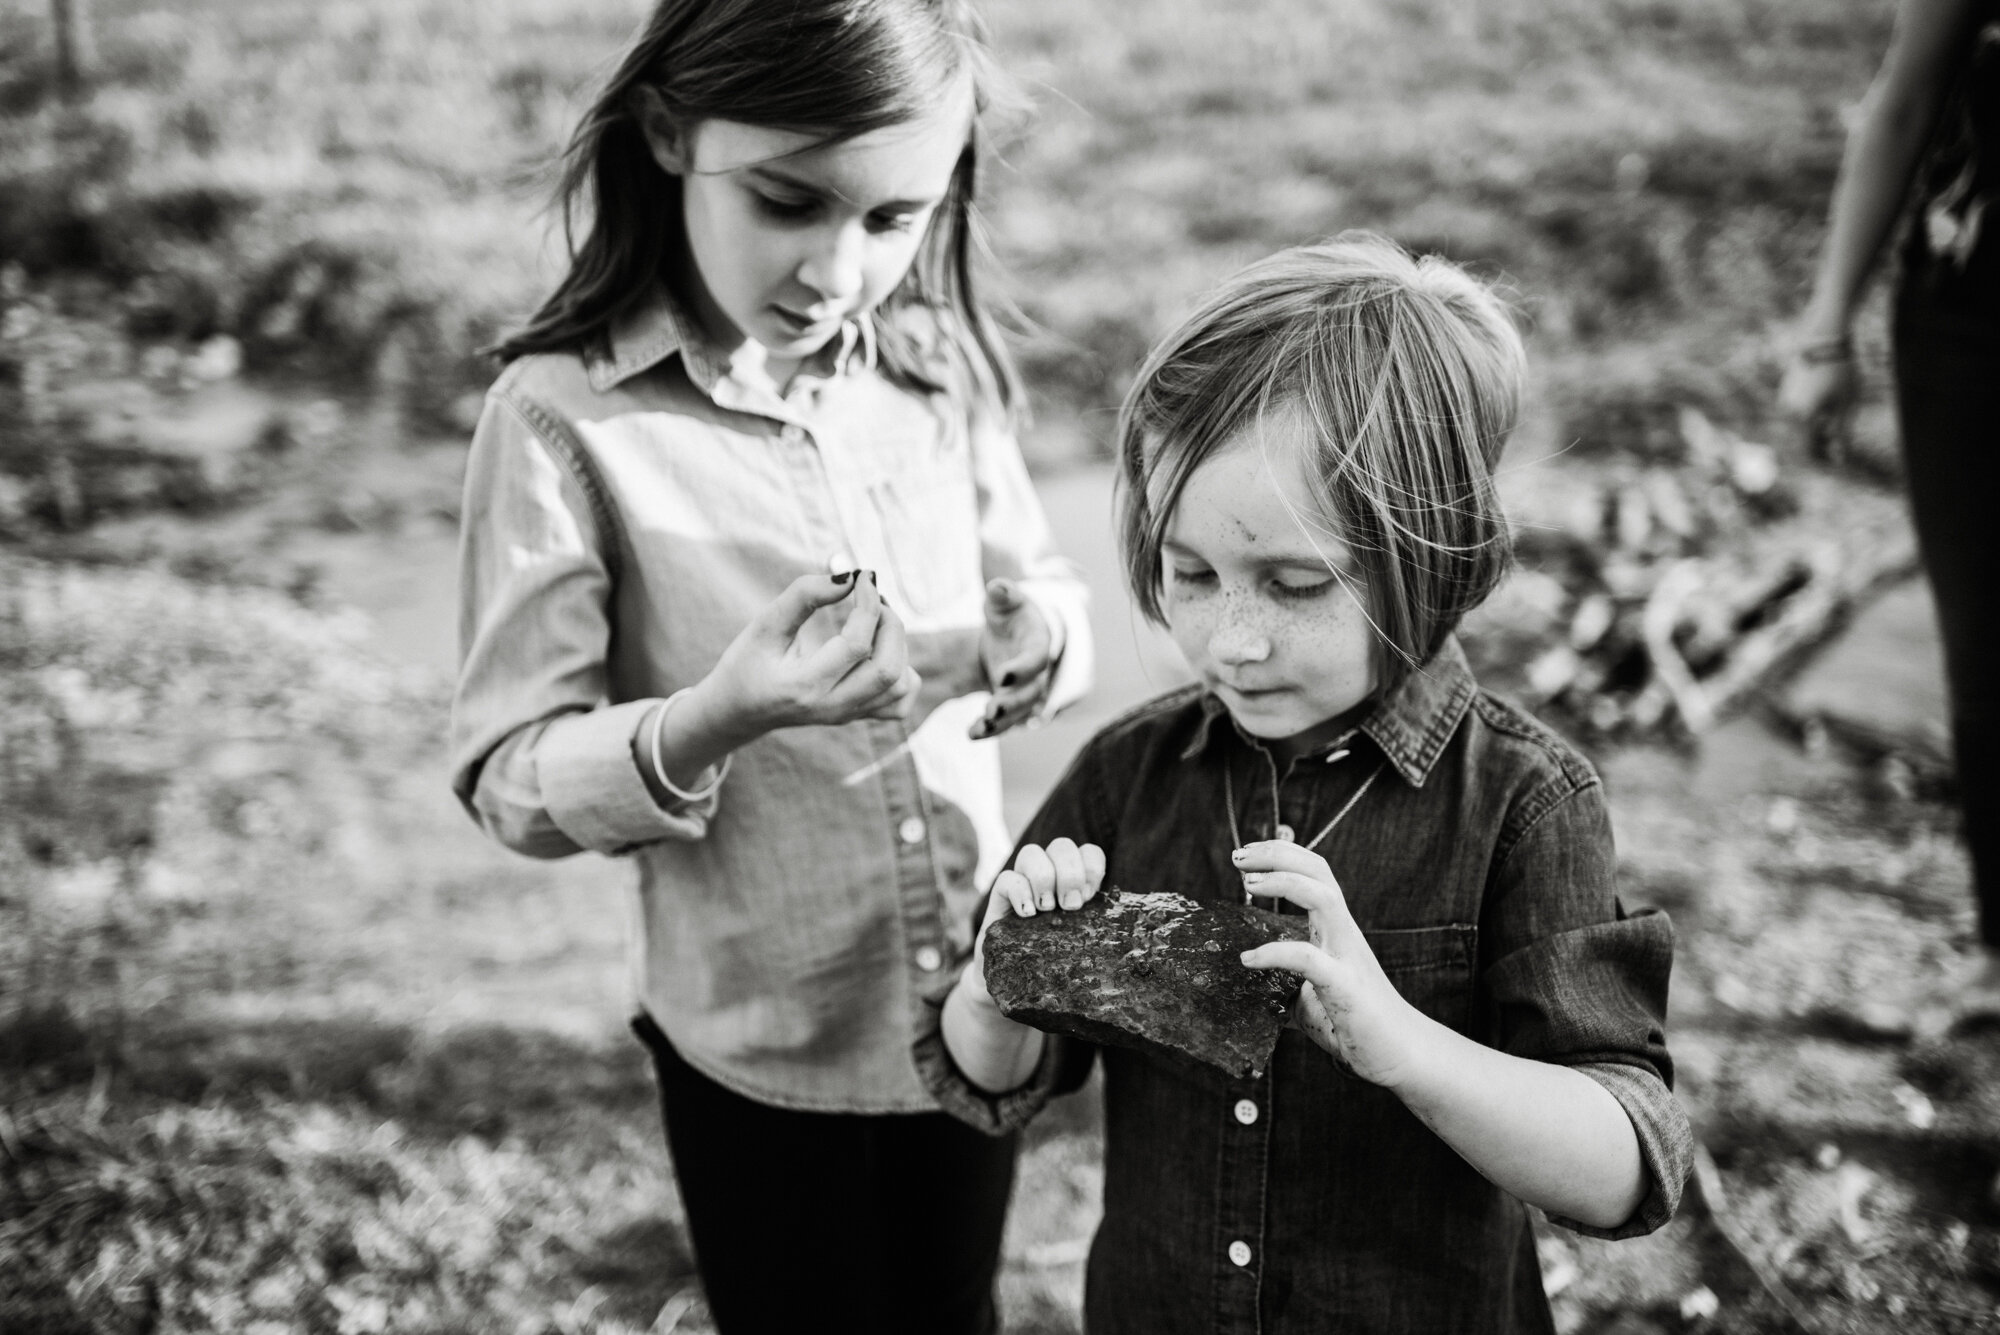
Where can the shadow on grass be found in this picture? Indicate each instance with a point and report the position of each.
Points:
(292, 1168)
(490, 1081)
(1948, 1173)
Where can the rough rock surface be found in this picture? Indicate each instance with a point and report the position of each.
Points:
(1157, 972)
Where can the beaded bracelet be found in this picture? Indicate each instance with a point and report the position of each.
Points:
(660, 770)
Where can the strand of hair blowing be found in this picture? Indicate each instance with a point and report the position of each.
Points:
(838, 68)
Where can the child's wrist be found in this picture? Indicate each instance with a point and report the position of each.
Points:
(1426, 1058)
(971, 995)
(713, 720)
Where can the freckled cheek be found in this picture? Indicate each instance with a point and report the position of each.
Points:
(1339, 636)
(1190, 622)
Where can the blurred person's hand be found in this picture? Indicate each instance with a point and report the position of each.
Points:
(1817, 396)
(1018, 650)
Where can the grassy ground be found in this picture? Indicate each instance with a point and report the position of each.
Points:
(282, 1041)
(283, 1046)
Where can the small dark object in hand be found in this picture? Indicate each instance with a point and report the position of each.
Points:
(1157, 972)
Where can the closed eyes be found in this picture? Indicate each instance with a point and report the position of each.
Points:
(789, 208)
(1292, 590)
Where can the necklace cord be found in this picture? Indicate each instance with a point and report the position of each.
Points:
(1236, 835)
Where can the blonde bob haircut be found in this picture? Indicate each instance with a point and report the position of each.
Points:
(1402, 378)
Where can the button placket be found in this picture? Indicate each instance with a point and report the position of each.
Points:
(1239, 1218)
(916, 870)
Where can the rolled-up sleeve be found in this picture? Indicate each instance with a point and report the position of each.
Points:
(539, 759)
(1064, 1066)
(1074, 808)
(1572, 979)
(1015, 542)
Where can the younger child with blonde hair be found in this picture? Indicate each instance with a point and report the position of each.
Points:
(1309, 509)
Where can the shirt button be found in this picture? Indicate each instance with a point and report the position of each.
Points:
(911, 831)
(1239, 1252)
(793, 434)
(1284, 834)
(839, 563)
(1246, 1111)
(928, 959)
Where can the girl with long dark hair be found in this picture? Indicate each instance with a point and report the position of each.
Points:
(751, 570)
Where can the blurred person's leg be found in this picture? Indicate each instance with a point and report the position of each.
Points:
(942, 1202)
(1947, 340)
(807, 1221)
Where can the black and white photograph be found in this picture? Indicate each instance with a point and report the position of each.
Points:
(999, 667)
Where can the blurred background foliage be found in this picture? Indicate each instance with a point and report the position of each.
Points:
(321, 182)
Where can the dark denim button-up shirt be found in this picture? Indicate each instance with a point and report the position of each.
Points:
(1480, 864)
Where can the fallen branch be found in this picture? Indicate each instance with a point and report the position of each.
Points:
(1836, 588)
(1837, 578)
(1670, 670)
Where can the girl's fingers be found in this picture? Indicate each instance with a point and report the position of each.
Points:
(1014, 889)
(1024, 672)
(1003, 598)
(998, 906)
(1093, 869)
(899, 700)
(831, 663)
(1309, 894)
(1070, 873)
(1020, 699)
(1035, 866)
(1274, 856)
(786, 615)
(1010, 709)
(865, 617)
(1282, 855)
(1300, 957)
(891, 644)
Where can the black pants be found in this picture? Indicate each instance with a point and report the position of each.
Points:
(1947, 339)
(807, 1221)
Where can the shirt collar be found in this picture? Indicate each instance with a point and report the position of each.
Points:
(659, 327)
(1411, 725)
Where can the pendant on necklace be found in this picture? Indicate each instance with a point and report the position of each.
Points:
(1285, 835)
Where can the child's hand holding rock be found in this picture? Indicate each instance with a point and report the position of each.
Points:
(1063, 875)
(1347, 1004)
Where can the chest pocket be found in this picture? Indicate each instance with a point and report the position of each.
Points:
(1433, 968)
(930, 528)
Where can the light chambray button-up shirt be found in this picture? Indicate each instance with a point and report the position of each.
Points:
(626, 515)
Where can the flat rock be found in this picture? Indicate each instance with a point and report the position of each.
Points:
(1157, 971)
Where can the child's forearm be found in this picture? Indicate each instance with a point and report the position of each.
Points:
(694, 737)
(993, 1051)
(1549, 1135)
